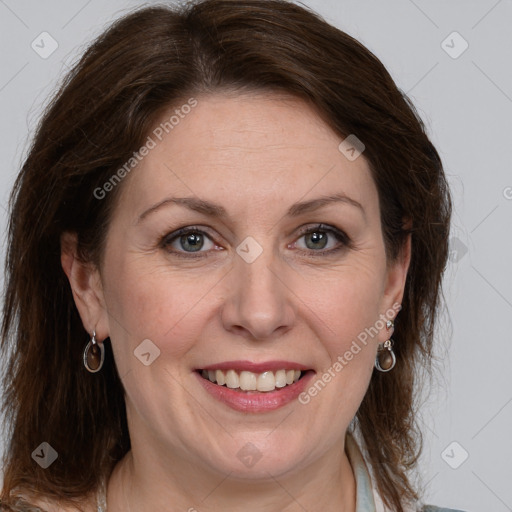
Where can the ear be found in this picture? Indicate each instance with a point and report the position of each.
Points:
(85, 281)
(395, 280)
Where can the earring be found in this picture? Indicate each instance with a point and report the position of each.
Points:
(94, 355)
(385, 360)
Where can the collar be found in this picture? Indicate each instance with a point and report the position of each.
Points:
(364, 490)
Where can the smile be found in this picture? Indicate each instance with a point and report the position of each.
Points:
(255, 387)
(250, 381)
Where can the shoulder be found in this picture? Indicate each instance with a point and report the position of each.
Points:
(432, 508)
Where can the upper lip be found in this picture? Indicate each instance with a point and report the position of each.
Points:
(256, 367)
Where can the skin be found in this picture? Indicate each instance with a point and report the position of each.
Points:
(255, 155)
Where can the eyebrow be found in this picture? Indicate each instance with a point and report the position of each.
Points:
(217, 211)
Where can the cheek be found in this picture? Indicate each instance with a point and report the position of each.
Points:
(345, 311)
(157, 304)
(347, 302)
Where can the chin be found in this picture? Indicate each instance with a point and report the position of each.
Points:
(256, 457)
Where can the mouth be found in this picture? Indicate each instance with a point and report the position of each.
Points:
(250, 387)
(245, 381)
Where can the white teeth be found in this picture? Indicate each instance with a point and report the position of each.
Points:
(280, 378)
(249, 381)
(219, 377)
(232, 379)
(266, 382)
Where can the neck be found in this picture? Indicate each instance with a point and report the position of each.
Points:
(142, 481)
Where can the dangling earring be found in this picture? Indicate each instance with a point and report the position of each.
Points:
(94, 355)
(385, 360)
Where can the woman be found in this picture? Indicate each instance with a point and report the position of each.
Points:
(225, 211)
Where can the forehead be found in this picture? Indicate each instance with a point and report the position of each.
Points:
(248, 152)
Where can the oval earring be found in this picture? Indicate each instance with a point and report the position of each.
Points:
(94, 355)
(385, 360)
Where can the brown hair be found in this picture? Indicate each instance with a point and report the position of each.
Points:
(144, 63)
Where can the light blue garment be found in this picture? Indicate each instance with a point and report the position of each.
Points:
(364, 491)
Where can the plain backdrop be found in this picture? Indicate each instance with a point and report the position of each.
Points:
(453, 58)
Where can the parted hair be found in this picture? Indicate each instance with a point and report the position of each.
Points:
(145, 62)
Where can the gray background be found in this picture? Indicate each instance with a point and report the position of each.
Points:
(466, 103)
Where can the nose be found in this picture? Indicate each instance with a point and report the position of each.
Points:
(259, 304)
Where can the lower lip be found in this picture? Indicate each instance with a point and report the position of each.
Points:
(256, 401)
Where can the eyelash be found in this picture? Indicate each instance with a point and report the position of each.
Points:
(340, 236)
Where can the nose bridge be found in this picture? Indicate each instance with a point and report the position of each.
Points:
(258, 302)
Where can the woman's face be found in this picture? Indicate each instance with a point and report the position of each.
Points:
(248, 175)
